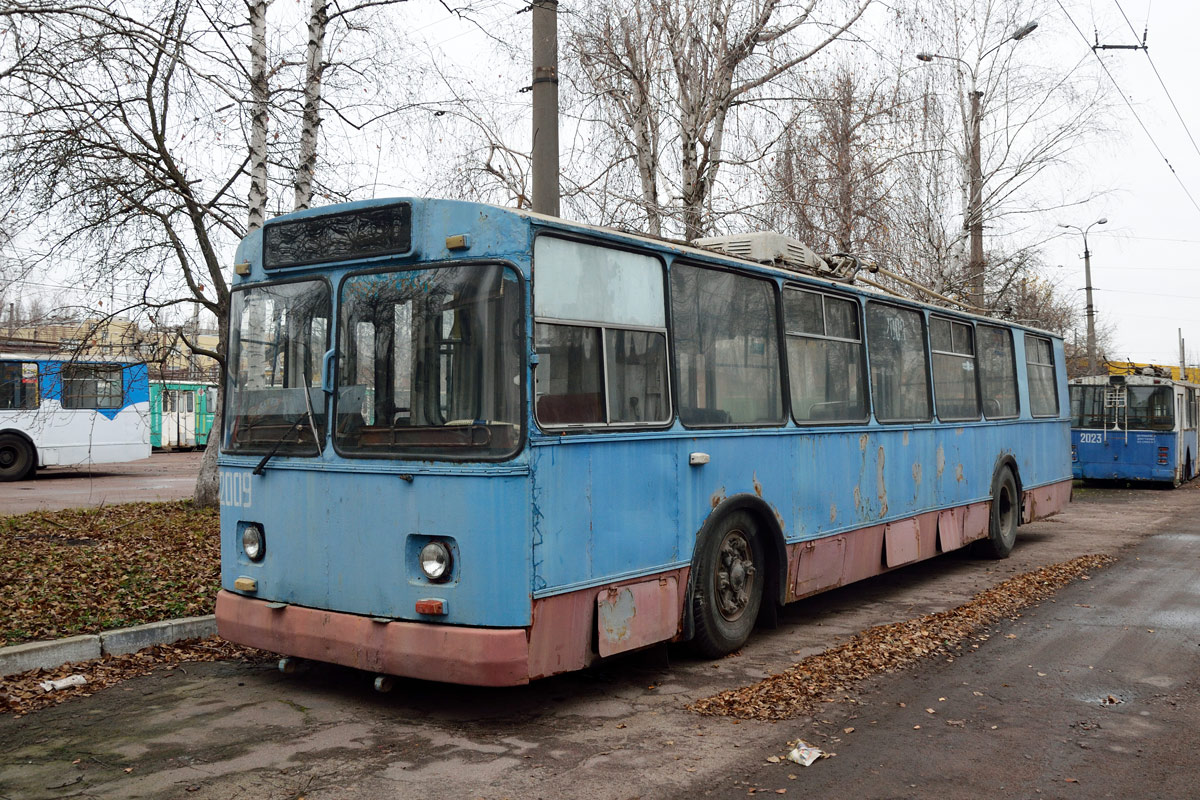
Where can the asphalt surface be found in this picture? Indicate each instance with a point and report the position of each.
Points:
(1091, 695)
(162, 476)
(1041, 724)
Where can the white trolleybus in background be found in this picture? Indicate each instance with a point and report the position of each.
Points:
(64, 411)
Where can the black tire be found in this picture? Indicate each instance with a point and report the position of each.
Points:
(17, 460)
(1003, 518)
(728, 585)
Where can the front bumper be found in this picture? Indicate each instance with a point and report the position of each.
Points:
(429, 651)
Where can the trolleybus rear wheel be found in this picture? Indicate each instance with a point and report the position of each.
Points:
(1004, 517)
(728, 585)
(16, 458)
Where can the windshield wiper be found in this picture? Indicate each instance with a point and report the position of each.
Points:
(312, 423)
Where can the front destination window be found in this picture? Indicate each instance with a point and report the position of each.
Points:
(430, 363)
(279, 335)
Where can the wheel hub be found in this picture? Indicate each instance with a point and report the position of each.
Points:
(734, 575)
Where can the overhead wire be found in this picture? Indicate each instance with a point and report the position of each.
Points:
(1132, 110)
(1161, 82)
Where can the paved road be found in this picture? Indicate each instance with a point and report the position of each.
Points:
(622, 730)
(162, 476)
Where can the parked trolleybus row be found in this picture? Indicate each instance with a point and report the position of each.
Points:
(72, 411)
(473, 444)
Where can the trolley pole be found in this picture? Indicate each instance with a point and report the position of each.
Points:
(544, 158)
(975, 266)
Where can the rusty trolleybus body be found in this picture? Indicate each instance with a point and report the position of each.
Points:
(472, 444)
(1134, 427)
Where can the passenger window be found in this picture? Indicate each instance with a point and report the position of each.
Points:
(726, 348)
(600, 336)
(825, 357)
(956, 396)
(899, 365)
(18, 385)
(997, 372)
(92, 386)
(1039, 364)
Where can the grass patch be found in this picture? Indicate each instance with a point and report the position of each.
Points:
(64, 573)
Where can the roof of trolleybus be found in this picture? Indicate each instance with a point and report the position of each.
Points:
(676, 247)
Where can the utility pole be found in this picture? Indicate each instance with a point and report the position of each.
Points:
(1087, 287)
(1091, 309)
(544, 158)
(974, 219)
(973, 223)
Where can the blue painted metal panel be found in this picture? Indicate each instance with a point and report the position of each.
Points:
(1116, 455)
(614, 506)
(341, 541)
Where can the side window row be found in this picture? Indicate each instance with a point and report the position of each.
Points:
(600, 338)
(83, 385)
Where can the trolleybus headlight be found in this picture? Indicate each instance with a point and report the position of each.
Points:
(435, 561)
(253, 542)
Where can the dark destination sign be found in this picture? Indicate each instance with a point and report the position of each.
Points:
(339, 237)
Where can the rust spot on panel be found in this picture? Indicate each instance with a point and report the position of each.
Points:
(718, 497)
(636, 615)
(778, 518)
(858, 498)
(833, 511)
(881, 483)
(617, 609)
(757, 485)
(916, 476)
(959, 431)
(941, 461)
(862, 442)
(958, 473)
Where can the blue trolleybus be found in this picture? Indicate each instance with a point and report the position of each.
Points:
(472, 444)
(65, 411)
(1133, 427)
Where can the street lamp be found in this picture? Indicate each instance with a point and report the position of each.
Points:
(1087, 277)
(974, 219)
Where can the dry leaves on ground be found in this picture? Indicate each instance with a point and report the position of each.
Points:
(795, 691)
(77, 571)
(22, 693)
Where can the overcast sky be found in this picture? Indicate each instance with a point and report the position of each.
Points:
(1145, 276)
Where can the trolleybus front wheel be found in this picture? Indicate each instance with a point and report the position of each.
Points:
(728, 585)
(16, 458)
(1004, 517)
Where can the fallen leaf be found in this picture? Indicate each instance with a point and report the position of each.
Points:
(847, 730)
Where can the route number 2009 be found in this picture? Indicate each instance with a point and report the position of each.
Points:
(1091, 438)
(235, 489)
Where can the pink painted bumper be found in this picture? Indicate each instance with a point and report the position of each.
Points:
(475, 656)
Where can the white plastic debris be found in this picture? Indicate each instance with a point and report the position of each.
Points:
(804, 754)
(63, 683)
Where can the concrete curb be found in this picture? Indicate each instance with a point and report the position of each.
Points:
(53, 654)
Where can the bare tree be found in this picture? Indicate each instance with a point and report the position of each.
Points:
(668, 74)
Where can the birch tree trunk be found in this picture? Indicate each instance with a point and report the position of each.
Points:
(310, 122)
(259, 111)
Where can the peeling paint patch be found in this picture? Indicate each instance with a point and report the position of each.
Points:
(916, 474)
(941, 461)
(862, 442)
(881, 483)
(959, 431)
(906, 438)
(958, 473)
(718, 497)
(757, 485)
(858, 498)
(833, 511)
